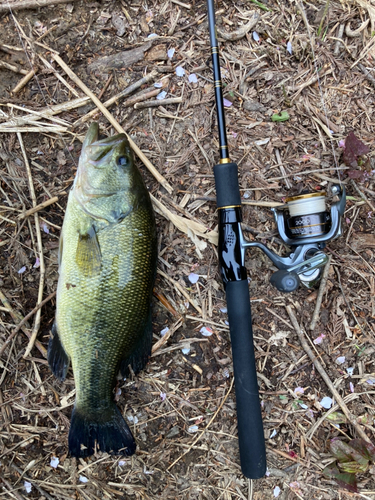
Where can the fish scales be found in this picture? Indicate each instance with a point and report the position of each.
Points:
(107, 267)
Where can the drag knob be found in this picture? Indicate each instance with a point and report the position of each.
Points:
(285, 281)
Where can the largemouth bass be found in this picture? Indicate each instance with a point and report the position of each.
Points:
(107, 266)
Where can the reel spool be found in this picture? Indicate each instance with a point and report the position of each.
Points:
(304, 224)
(308, 215)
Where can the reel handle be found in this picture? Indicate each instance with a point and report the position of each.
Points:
(250, 425)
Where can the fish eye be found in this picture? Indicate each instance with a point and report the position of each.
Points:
(123, 161)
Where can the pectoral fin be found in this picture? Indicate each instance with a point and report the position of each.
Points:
(88, 254)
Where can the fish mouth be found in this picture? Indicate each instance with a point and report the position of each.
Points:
(97, 150)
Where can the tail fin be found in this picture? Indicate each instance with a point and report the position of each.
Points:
(106, 430)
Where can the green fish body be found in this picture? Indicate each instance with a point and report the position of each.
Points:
(107, 266)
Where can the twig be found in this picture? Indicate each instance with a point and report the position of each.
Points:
(319, 299)
(354, 33)
(133, 101)
(30, 4)
(338, 42)
(20, 85)
(149, 104)
(13, 67)
(38, 207)
(367, 74)
(241, 32)
(200, 147)
(364, 52)
(58, 76)
(346, 300)
(35, 330)
(115, 98)
(181, 4)
(268, 204)
(18, 318)
(363, 196)
(102, 92)
(204, 430)
(325, 377)
(180, 289)
(24, 321)
(282, 169)
(113, 121)
(164, 339)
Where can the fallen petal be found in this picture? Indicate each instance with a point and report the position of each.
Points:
(206, 331)
(326, 402)
(193, 278)
(180, 71)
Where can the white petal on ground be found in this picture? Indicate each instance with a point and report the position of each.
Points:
(54, 462)
(180, 71)
(340, 360)
(276, 491)
(350, 370)
(164, 331)
(299, 390)
(193, 78)
(289, 48)
(206, 331)
(319, 339)
(170, 53)
(22, 270)
(162, 95)
(256, 36)
(27, 486)
(193, 428)
(83, 479)
(326, 402)
(227, 104)
(193, 278)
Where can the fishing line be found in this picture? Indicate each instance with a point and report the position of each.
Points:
(37, 81)
(303, 12)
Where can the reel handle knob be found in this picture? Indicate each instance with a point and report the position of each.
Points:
(285, 281)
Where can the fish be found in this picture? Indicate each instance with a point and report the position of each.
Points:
(107, 267)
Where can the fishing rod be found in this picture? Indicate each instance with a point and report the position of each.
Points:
(234, 275)
(305, 225)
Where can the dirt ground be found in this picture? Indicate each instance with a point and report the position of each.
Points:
(182, 408)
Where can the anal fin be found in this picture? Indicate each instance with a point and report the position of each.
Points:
(58, 359)
(141, 353)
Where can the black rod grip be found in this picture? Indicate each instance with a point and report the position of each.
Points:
(250, 425)
(226, 183)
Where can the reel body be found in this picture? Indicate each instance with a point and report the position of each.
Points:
(303, 224)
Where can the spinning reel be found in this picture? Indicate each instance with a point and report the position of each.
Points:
(304, 224)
